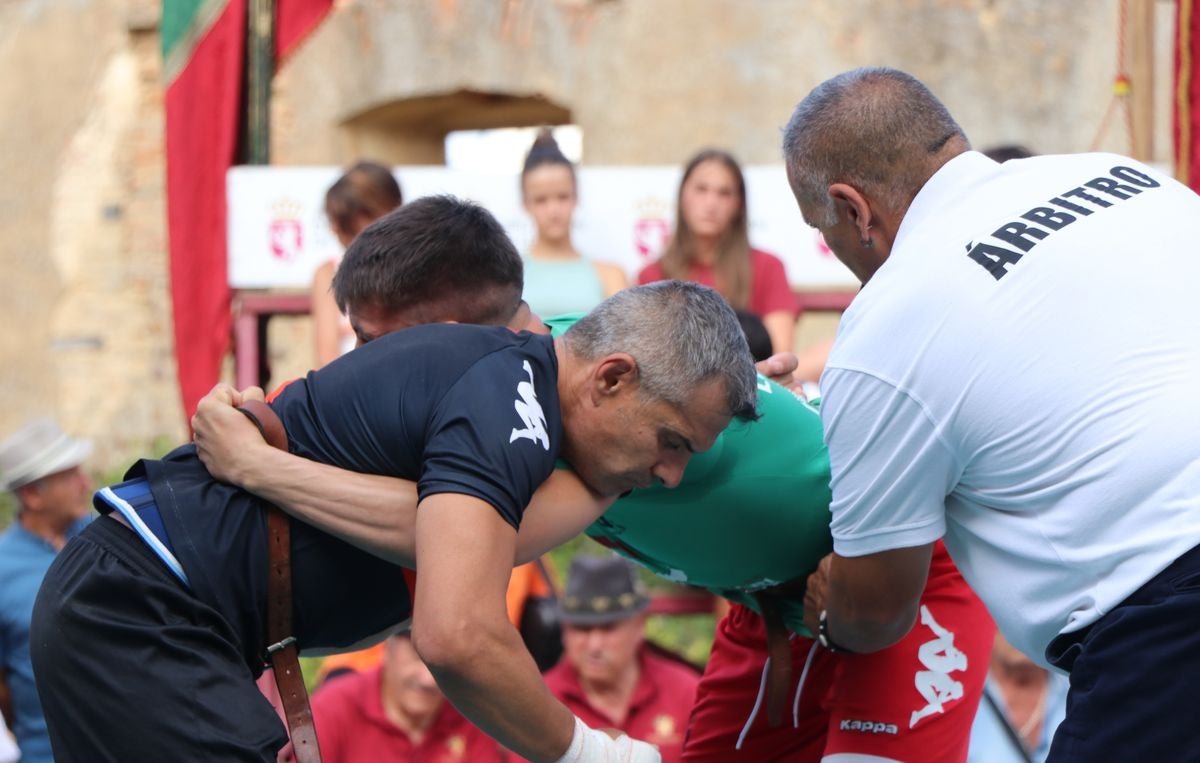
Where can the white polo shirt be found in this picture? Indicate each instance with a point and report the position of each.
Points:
(1022, 376)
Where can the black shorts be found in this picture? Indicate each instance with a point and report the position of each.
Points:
(130, 666)
(1133, 675)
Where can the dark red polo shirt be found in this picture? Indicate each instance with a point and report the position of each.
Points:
(769, 288)
(352, 727)
(659, 711)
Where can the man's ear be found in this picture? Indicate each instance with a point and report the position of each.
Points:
(612, 375)
(857, 206)
(30, 496)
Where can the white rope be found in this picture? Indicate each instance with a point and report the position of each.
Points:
(812, 651)
(762, 690)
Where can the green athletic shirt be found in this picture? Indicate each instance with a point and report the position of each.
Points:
(751, 512)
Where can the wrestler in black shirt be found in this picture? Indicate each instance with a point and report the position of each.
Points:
(133, 663)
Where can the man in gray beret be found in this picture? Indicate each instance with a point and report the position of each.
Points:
(42, 467)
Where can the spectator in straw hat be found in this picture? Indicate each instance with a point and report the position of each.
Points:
(41, 466)
(607, 676)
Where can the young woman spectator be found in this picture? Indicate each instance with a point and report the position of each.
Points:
(363, 194)
(558, 279)
(711, 246)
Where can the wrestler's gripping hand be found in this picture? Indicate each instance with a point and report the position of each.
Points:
(226, 440)
(781, 369)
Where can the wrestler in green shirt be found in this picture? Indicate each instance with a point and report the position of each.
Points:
(751, 512)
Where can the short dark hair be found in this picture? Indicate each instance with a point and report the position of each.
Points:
(756, 335)
(437, 249)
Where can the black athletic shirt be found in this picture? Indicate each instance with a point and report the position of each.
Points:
(459, 409)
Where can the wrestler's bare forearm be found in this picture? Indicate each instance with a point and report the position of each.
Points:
(378, 514)
(461, 629)
(374, 513)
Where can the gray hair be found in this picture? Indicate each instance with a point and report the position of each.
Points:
(877, 129)
(681, 335)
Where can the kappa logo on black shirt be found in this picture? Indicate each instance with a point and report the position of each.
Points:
(530, 411)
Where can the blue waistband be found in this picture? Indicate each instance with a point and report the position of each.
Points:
(134, 501)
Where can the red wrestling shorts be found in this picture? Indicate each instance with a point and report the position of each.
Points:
(913, 701)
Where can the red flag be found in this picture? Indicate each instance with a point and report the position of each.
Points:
(204, 57)
(1186, 125)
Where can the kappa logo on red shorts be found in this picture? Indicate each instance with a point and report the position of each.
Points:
(940, 658)
(868, 727)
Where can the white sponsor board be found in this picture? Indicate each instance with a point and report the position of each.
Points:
(278, 233)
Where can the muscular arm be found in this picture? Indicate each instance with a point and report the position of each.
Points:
(892, 469)
(376, 514)
(461, 630)
(871, 601)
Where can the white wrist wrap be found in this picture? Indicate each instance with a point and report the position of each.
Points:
(590, 745)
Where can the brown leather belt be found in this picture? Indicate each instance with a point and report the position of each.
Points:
(779, 646)
(779, 650)
(282, 651)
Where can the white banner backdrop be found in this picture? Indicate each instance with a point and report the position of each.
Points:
(278, 233)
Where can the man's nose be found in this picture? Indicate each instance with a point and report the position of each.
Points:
(595, 641)
(670, 469)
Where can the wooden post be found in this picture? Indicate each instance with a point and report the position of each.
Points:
(260, 68)
(1141, 78)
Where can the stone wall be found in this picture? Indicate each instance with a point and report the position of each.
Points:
(85, 326)
(650, 81)
(85, 323)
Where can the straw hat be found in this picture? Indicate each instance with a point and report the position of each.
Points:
(38, 450)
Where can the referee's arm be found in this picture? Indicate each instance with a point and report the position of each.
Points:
(870, 602)
(891, 470)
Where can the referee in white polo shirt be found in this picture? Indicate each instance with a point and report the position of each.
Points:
(1018, 375)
